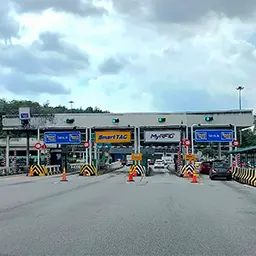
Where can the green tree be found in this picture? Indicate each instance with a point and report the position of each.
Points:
(12, 108)
(248, 138)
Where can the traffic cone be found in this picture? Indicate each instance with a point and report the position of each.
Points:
(130, 177)
(64, 176)
(194, 178)
(185, 175)
(135, 173)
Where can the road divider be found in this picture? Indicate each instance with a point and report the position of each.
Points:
(52, 169)
(244, 175)
(4, 171)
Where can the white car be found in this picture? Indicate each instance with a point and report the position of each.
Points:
(159, 164)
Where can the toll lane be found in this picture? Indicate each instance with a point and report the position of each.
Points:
(161, 215)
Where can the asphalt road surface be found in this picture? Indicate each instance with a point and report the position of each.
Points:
(105, 215)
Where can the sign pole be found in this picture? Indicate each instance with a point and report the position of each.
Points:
(138, 129)
(135, 142)
(38, 151)
(86, 150)
(235, 138)
(192, 138)
(187, 138)
(90, 149)
(95, 155)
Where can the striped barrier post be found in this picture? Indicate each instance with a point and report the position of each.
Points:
(88, 170)
(37, 170)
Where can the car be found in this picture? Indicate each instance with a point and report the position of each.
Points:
(220, 170)
(150, 162)
(159, 164)
(205, 167)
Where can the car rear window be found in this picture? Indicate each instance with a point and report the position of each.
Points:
(220, 165)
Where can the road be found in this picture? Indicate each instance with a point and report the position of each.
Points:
(105, 215)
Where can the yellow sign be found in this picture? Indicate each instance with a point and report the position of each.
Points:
(113, 137)
(190, 157)
(137, 157)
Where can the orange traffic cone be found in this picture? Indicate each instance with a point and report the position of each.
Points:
(130, 177)
(135, 173)
(194, 178)
(64, 176)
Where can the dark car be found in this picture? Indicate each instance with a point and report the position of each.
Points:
(205, 167)
(220, 170)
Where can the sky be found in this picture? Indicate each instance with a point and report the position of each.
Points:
(129, 55)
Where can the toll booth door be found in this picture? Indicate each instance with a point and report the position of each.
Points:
(56, 157)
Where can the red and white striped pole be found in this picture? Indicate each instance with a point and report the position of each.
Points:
(179, 160)
(15, 159)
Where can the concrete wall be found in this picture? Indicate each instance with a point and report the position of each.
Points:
(20, 143)
(238, 118)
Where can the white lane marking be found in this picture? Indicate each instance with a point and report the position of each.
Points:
(247, 186)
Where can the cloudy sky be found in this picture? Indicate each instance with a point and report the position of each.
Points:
(129, 55)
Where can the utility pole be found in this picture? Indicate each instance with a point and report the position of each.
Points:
(239, 89)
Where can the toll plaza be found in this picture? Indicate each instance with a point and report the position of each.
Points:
(102, 138)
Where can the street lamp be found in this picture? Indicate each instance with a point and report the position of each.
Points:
(71, 104)
(239, 89)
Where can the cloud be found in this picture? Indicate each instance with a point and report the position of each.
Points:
(49, 56)
(78, 7)
(112, 65)
(18, 83)
(147, 55)
(9, 26)
(183, 11)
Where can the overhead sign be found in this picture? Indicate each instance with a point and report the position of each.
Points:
(190, 157)
(62, 137)
(24, 113)
(213, 135)
(113, 137)
(136, 157)
(167, 136)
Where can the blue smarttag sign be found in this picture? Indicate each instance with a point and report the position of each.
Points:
(213, 135)
(62, 137)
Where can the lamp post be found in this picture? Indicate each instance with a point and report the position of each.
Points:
(239, 89)
(71, 104)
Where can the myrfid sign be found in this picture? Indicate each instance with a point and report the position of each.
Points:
(167, 136)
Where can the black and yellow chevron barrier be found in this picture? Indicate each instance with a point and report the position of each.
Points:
(188, 168)
(88, 170)
(244, 175)
(138, 170)
(37, 170)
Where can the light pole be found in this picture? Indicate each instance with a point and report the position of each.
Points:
(239, 89)
(71, 104)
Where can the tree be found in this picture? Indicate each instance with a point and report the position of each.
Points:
(248, 138)
(12, 108)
